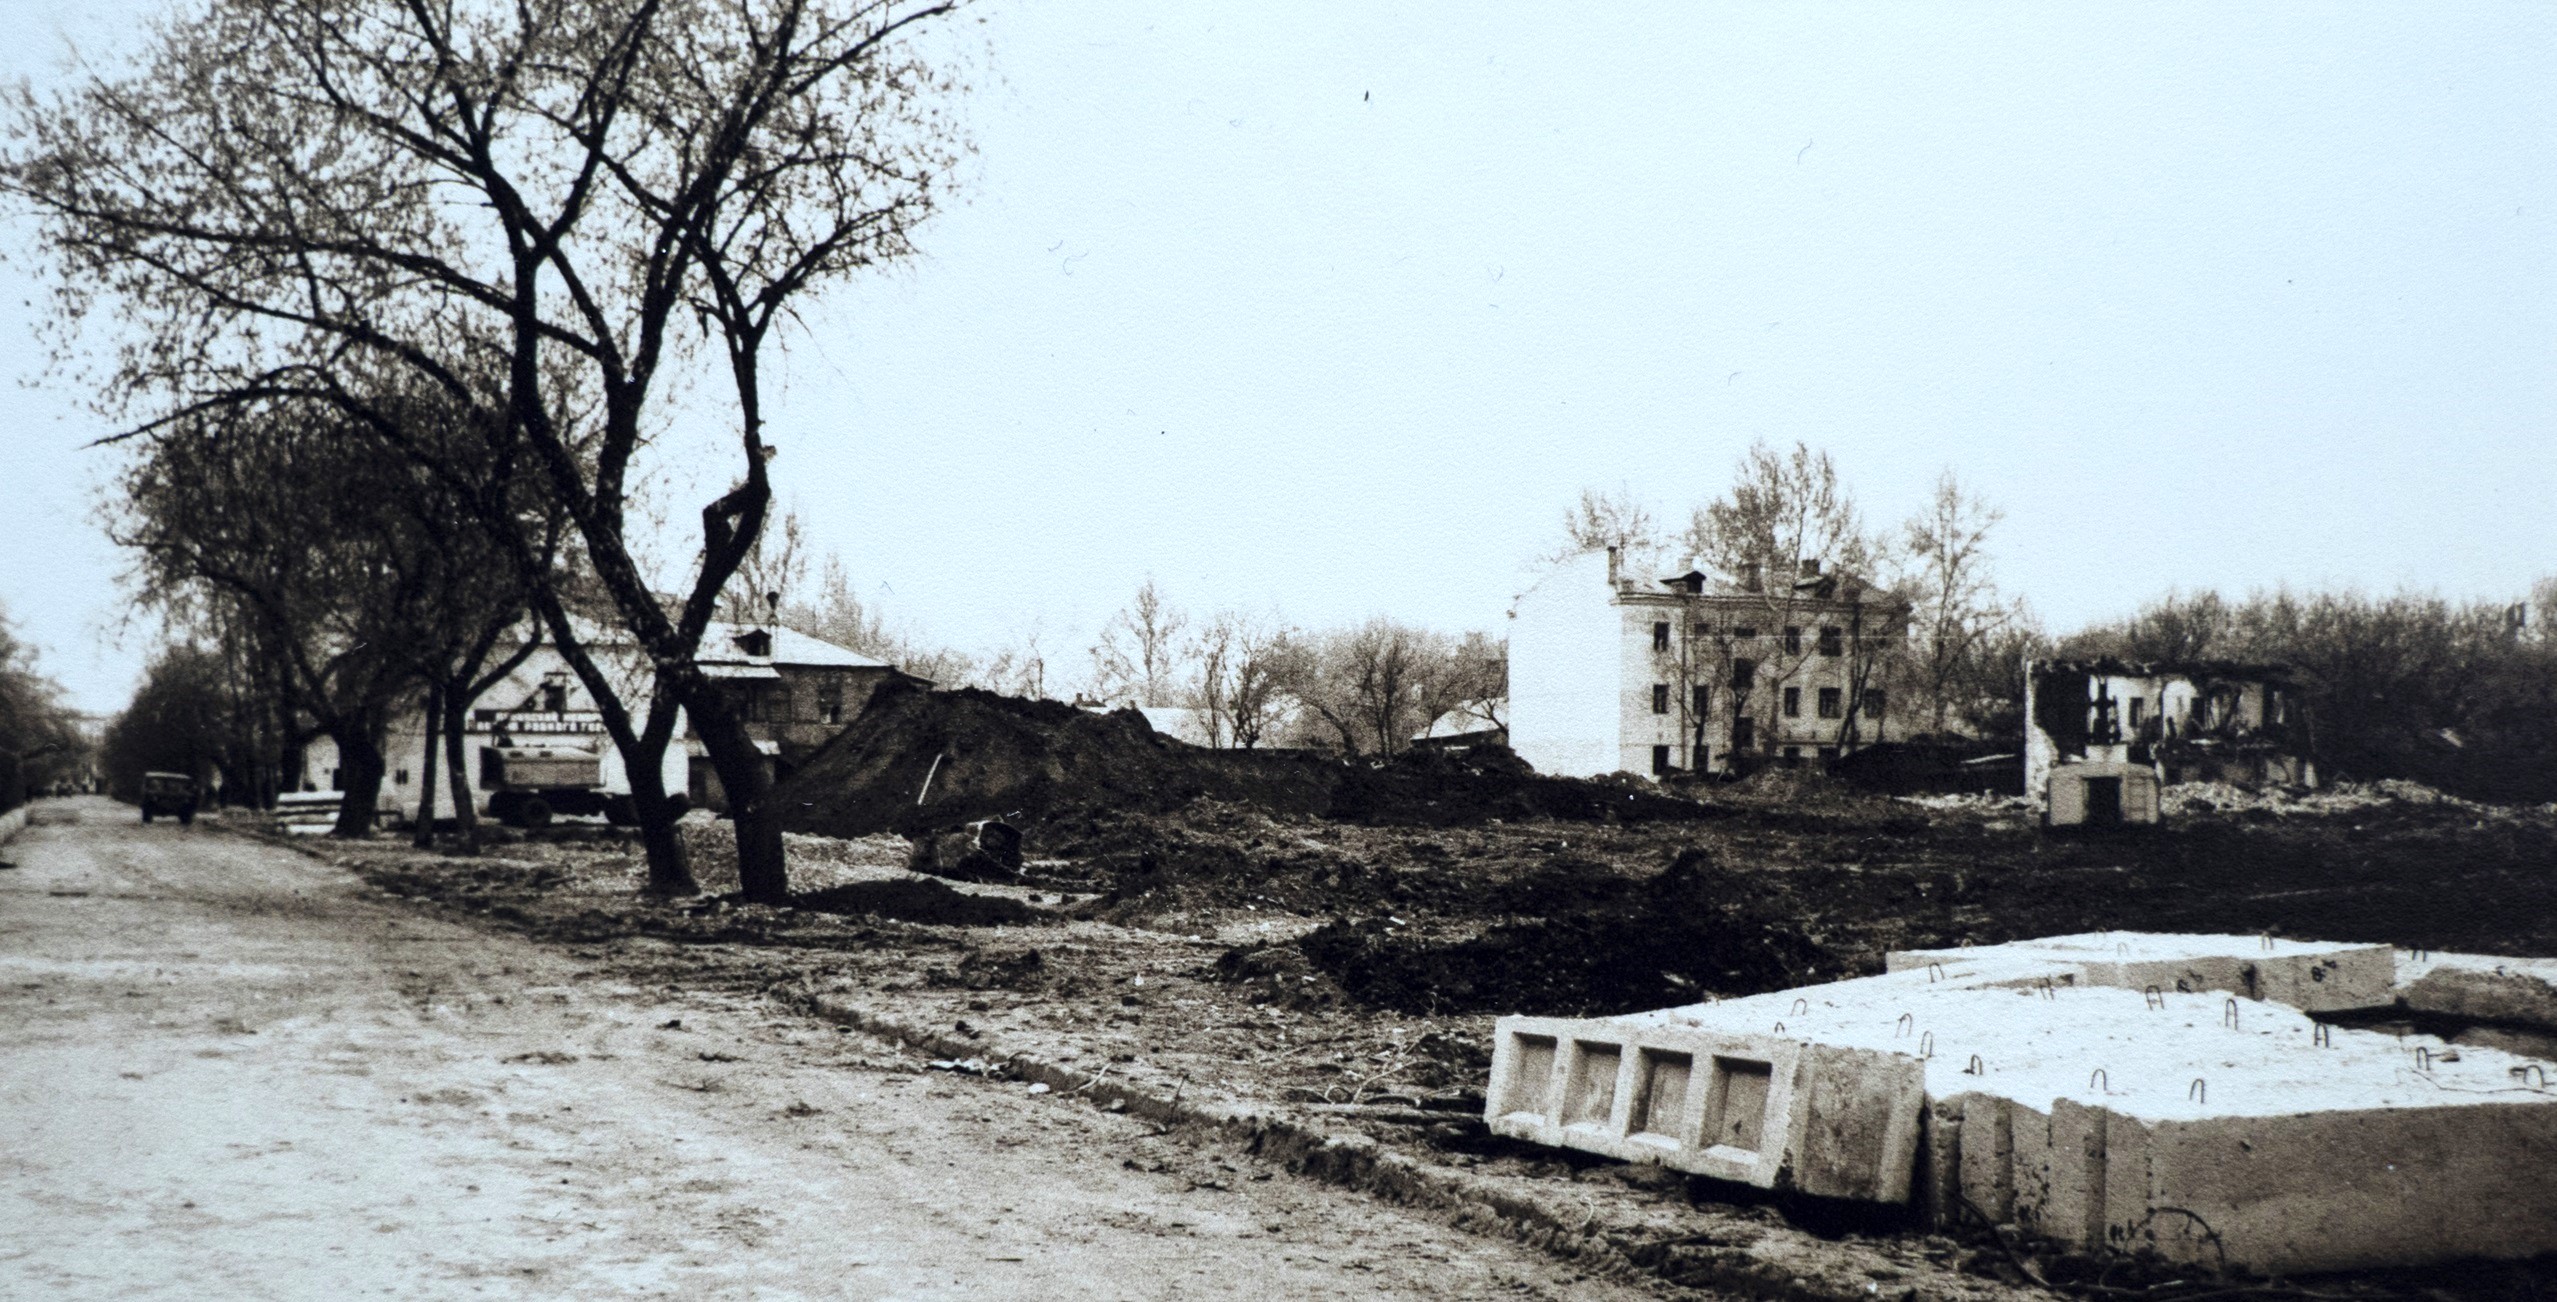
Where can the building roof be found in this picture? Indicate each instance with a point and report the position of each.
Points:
(2116, 667)
(789, 647)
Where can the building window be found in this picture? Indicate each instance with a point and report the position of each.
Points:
(1793, 640)
(1873, 702)
(1704, 700)
(1744, 631)
(1793, 756)
(830, 702)
(1744, 675)
(1744, 733)
(1833, 703)
(1659, 760)
(1660, 698)
(1703, 630)
(1828, 753)
(1793, 702)
(1833, 642)
(400, 778)
(2139, 710)
(1660, 636)
(555, 698)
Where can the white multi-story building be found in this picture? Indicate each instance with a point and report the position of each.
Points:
(1609, 672)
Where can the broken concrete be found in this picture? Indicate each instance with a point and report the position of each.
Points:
(2111, 1092)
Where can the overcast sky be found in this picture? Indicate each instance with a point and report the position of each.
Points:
(1322, 310)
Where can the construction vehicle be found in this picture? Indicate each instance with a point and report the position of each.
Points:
(528, 786)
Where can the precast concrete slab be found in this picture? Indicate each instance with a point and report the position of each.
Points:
(2068, 1088)
(2317, 976)
(1760, 1109)
(2479, 988)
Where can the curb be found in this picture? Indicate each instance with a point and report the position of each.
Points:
(1362, 1164)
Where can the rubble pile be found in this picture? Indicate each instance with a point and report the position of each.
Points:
(916, 762)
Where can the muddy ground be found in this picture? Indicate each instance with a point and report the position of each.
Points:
(1352, 972)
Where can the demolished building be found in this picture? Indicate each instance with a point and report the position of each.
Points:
(2207, 1100)
(2101, 736)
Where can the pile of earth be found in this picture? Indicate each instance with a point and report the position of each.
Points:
(1605, 944)
(913, 899)
(916, 761)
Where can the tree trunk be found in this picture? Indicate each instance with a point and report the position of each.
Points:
(762, 874)
(425, 837)
(359, 773)
(669, 868)
(458, 771)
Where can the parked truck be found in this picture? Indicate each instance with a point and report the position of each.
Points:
(530, 785)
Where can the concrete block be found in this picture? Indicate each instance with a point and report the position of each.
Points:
(2313, 976)
(1757, 1109)
(2480, 987)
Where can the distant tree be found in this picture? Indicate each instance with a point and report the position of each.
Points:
(774, 572)
(1606, 518)
(1138, 658)
(38, 741)
(1240, 661)
(1366, 687)
(1957, 608)
(837, 613)
(1787, 532)
(282, 191)
(2176, 627)
(179, 721)
(1465, 682)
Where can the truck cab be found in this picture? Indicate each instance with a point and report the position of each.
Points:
(168, 793)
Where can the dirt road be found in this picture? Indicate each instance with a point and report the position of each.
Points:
(227, 1070)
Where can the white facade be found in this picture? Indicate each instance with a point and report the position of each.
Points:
(541, 703)
(1566, 676)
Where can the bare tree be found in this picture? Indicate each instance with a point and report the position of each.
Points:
(1366, 685)
(1945, 546)
(774, 572)
(284, 186)
(1788, 533)
(1139, 655)
(1466, 680)
(1236, 687)
(1616, 518)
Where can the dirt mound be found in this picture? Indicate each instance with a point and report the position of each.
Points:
(912, 900)
(917, 761)
(1625, 944)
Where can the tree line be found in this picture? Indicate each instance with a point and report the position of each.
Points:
(463, 252)
(40, 741)
(1243, 679)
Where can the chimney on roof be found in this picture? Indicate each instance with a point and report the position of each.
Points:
(1810, 567)
(1753, 577)
(1615, 564)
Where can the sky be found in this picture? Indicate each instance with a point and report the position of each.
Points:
(1332, 309)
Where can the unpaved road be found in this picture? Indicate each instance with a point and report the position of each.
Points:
(227, 1070)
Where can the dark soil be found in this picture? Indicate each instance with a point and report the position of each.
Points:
(1608, 945)
(913, 900)
(916, 761)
